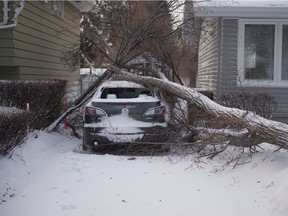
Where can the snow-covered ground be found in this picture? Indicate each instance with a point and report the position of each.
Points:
(49, 176)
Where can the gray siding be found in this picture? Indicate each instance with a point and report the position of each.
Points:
(228, 56)
(208, 56)
(228, 77)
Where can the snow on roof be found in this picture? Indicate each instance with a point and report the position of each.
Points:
(141, 99)
(242, 8)
(121, 83)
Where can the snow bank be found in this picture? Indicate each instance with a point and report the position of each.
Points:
(48, 175)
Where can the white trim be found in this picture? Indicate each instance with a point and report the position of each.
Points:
(243, 12)
(17, 11)
(5, 13)
(276, 82)
(278, 53)
(240, 54)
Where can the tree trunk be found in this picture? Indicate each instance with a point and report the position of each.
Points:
(261, 129)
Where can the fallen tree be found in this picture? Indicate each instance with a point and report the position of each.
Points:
(139, 36)
(248, 129)
(229, 126)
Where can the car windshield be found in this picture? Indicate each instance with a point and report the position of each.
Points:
(122, 93)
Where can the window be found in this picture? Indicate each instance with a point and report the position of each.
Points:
(56, 6)
(285, 53)
(259, 51)
(263, 52)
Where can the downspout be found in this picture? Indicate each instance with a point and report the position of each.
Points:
(18, 10)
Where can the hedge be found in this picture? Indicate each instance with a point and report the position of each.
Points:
(45, 100)
(260, 103)
(13, 128)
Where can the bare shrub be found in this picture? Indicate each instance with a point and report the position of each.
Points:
(261, 104)
(13, 128)
(45, 102)
(45, 99)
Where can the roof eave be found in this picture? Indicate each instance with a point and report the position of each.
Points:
(257, 12)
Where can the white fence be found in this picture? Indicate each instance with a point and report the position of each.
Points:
(86, 81)
(88, 76)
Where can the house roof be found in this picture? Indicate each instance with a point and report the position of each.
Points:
(242, 8)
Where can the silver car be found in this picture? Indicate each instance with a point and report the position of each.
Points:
(123, 112)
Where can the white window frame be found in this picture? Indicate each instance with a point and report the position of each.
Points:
(276, 82)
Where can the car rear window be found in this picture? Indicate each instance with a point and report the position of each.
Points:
(122, 93)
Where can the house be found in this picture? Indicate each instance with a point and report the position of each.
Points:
(33, 37)
(244, 47)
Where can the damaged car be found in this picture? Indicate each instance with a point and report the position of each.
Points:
(123, 112)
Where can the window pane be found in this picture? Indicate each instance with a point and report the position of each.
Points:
(285, 53)
(259, 51)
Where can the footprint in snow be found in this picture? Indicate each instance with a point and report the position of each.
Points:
(68, 207)
(52, 188)
(66, 192)
(80, 181)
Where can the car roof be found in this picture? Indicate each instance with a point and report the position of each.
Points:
(121, 84)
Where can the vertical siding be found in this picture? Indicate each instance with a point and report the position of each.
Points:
(208, 55)
(228, 77)
(40, 40)
(228, 56)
